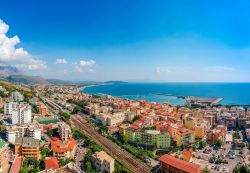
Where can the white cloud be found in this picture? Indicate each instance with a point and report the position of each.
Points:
(219, 68)
(160, 70)
(61, 61)
(18, 57)
(84, 66)
(89, 63)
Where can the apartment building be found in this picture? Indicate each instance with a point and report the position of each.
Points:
(17, 97)
(27, 147)
(4, 156)
(31, 130)
(219, 133)
(148, 138)
(20, 113)
(200, 130)
(103, 162)
(190, 123)
(173, 129)
(64, 131)
(63, 149)
(122, 129)
(42, 109)
(185, 137)
(111, 119)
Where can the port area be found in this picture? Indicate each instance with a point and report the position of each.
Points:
(206, 101)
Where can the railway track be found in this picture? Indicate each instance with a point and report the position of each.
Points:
(132, 163)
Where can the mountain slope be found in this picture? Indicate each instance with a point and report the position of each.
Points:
(6, 71)
(26, 79)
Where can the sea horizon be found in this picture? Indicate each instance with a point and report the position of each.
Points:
(233, 93)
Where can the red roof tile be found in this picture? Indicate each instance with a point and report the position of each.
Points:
(59, 147)
(51, 163)
(15, 168)
(180, 164)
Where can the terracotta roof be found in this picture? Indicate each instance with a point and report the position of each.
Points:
(184, 131)
(59, 147)
(51, 163)
(16, 165)
(187, 154)
(180, 164)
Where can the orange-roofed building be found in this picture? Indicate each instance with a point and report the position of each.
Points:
(122, 129)
(43, 110)
(138, 123)
(217, 134)
(171, 164)
(63, 150)
(185, 137)
(51, 163)
(172, 130)
(187, 155)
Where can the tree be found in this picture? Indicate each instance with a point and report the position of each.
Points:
(219, 143)
(50, 132)
(119, 168)
(76, 110)
(65, 115)
(44, 152)
(206, 170)
(2, 126)
(136, 118)
(202, 144)
(241, 169)
(87, 161)
(77, 134)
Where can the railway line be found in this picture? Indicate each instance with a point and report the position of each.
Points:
(132, 163)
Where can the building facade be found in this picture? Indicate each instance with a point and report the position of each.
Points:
(103, 162)
(148, 138)
(20, 113)
(17, 97)
(27, 147)
(32, 130)
(63, 149)
(64, 131)
(185, 137)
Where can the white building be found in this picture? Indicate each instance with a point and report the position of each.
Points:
(64, 131)
(20, 113)
(32, 130)
(8, 107)
(16, 96)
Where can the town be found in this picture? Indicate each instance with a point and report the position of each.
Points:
(59, 128)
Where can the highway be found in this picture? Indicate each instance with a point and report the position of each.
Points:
(132, 163)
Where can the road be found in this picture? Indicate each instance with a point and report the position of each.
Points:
(132, 163)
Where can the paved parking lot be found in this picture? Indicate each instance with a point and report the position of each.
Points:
(203, 158)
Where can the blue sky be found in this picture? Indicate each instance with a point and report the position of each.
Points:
(132, 40)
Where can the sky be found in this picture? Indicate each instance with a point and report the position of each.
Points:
(132, 40)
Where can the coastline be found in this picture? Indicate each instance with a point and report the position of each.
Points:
(81, 89)
(137, 91)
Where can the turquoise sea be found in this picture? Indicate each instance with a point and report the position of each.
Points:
(232, 93)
